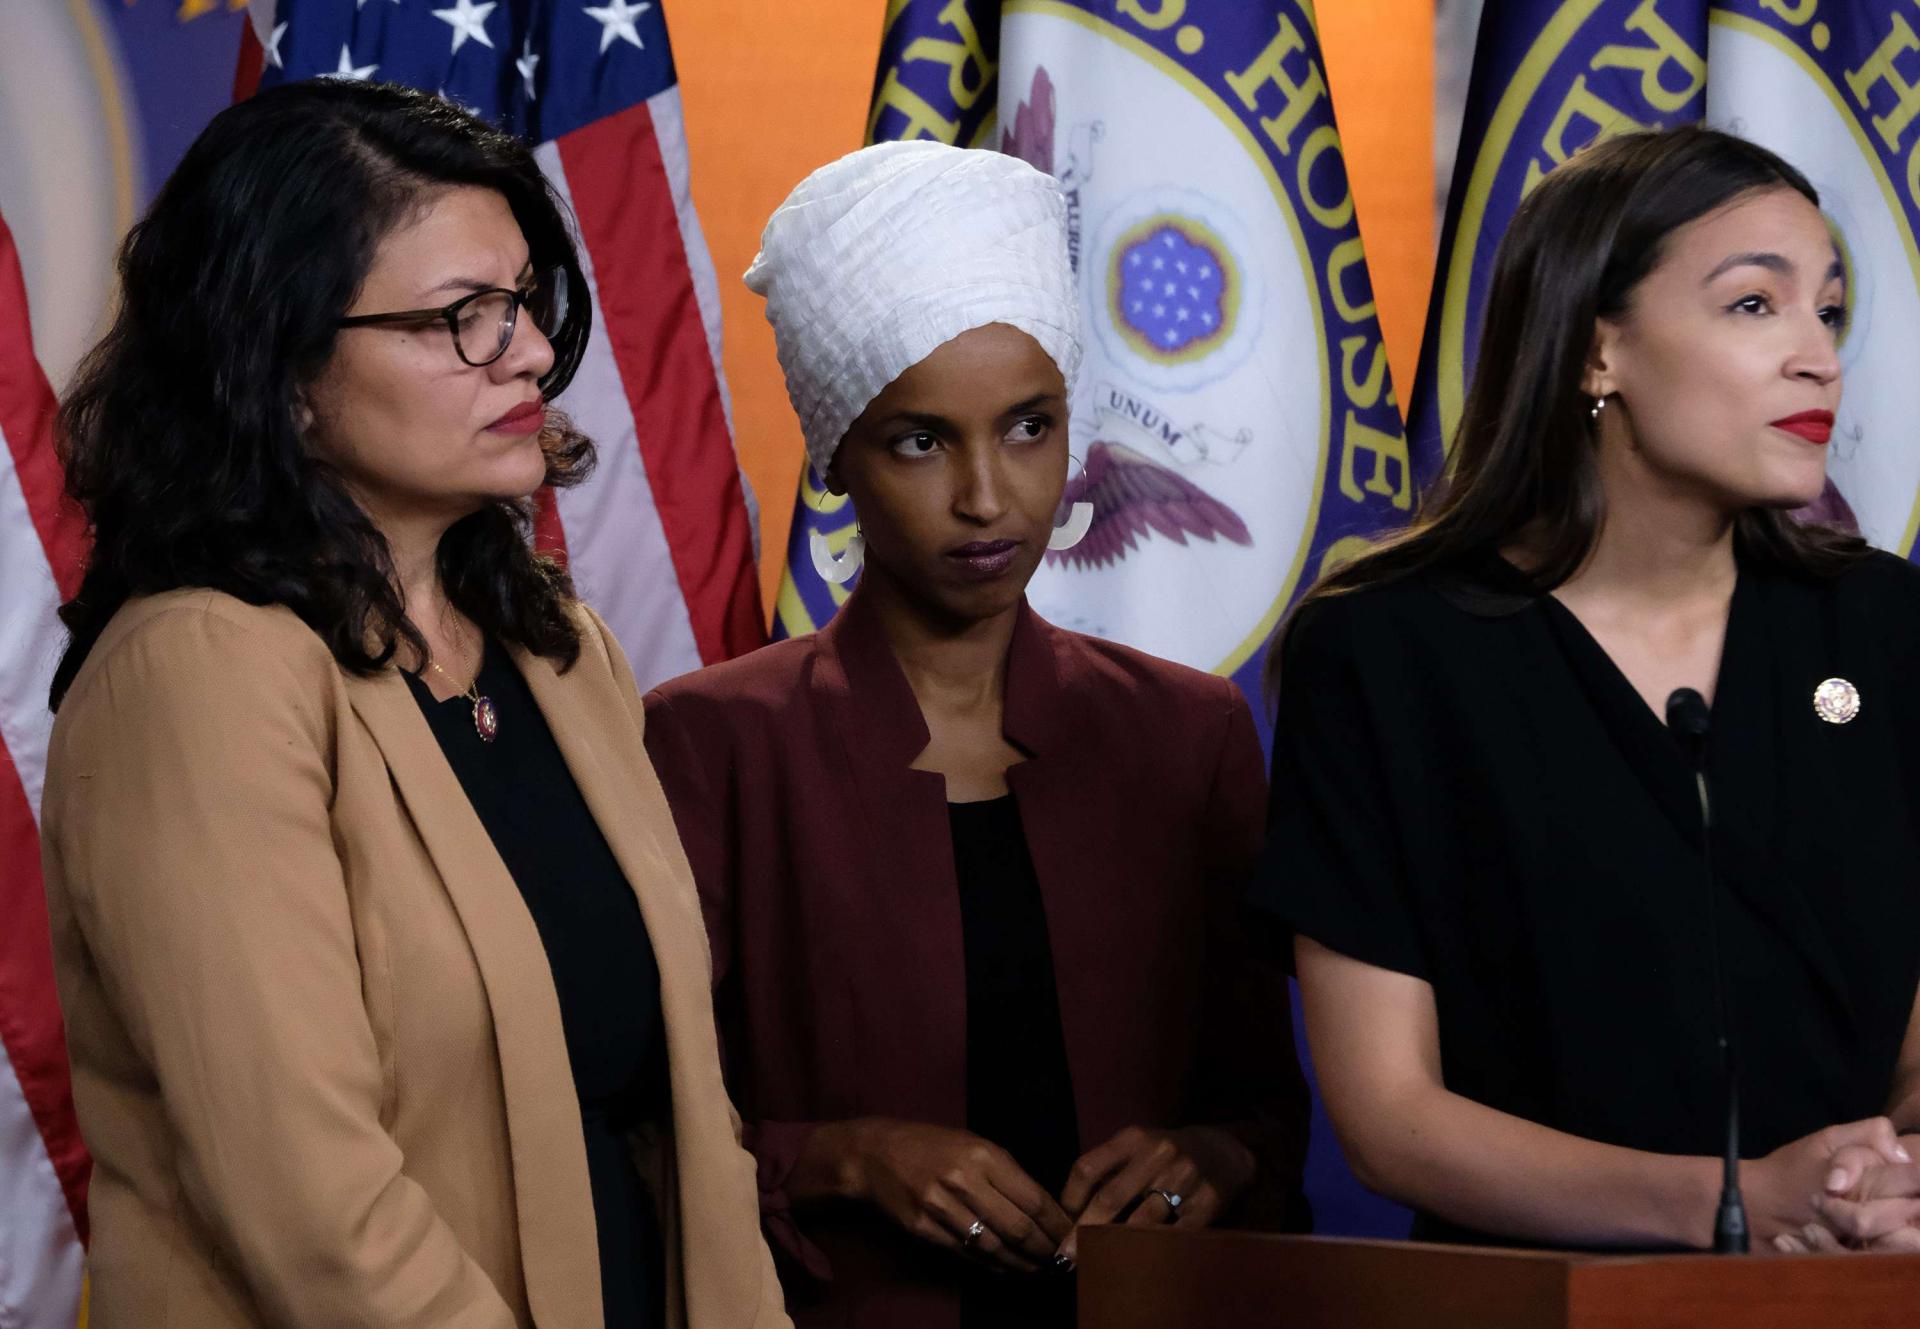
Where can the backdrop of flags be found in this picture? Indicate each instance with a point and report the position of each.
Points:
(1229, 453)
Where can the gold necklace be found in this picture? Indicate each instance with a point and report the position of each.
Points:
(486, 719)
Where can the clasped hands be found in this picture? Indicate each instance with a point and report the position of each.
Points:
(1849, 1187)
(936, 1182)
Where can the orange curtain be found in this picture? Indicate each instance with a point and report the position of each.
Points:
(774, 90)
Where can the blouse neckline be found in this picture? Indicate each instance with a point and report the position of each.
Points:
(1611, 687)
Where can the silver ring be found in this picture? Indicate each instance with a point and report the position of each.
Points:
(974, 1233)
(1171, 1197)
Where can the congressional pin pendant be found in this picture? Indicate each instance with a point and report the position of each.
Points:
(1836, 701)
(486, 719)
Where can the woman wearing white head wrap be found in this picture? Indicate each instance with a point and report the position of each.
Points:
(876, 261)
(969, 878)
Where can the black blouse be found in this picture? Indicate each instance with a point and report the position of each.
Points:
(1019, 1091)
(1467, 790)
(601, 957)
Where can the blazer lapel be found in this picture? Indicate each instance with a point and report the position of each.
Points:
(910, 991)
(552, 1194)
(603, 748)
(1061, 789)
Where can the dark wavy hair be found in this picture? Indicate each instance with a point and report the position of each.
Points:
(180, 433)
(1523, 463)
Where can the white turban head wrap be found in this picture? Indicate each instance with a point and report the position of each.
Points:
(879, 259)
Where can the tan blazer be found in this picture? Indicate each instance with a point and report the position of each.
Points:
(316, 1048)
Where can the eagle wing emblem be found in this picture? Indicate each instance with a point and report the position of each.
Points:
(1031, 138)
(1133, 498)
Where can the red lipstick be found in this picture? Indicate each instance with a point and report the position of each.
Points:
(1813, 426)
(526, 418)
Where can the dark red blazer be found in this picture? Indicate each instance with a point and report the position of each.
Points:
(825, 866)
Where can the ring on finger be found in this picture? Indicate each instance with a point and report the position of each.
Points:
(1171, 1197)
(975, 1231)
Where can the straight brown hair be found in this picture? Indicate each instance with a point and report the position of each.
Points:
(1522, 463)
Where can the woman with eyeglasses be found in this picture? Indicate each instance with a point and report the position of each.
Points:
(385, 986)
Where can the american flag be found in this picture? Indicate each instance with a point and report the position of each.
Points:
(43, 1166)
(661, 539)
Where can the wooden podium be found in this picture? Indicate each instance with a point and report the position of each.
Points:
(1146, 1278)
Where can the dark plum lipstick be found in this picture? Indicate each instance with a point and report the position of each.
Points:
(985, 559)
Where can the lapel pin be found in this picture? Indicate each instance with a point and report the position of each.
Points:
(1836, 701)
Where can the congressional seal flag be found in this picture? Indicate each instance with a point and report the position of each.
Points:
(1831, 85)
(660, 539)
(1549, 77)
(1233, 424)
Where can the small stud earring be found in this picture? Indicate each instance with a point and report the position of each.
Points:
(1599, 405)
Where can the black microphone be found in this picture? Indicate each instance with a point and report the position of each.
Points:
(1689, 719)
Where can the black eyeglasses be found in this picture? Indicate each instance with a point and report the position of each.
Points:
(482, 324)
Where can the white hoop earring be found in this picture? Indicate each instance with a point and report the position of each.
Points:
(1074, 529)
(836, 571)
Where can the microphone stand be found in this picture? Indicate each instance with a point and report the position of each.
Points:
(1688, 717)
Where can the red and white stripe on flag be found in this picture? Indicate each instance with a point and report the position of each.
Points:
(43, 1165)
(660, 540)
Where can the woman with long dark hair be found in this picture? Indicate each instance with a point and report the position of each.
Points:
(384, 983)
(1515, 969)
